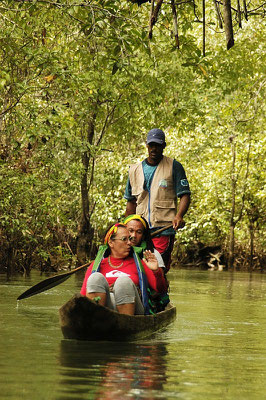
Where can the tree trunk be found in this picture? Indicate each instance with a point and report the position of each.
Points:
(10, 261)
(154, 16)
(251, 234)
(204, 28)
(175, 26)
(85, 230)
(228, 25)
(231, 249)
(150, 20)
(245, 10)
(239, 14)
(231, 253)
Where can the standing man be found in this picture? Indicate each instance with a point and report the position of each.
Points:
(152, 190)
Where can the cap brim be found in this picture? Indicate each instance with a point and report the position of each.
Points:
(155, 141)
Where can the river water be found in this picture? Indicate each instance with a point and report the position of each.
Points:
(216, 348)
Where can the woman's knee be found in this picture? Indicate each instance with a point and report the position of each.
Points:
(97, 283)
(124, 290)
(124, 282)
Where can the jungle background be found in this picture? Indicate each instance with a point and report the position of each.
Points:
(81, 84)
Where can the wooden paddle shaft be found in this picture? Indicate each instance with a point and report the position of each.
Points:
(161, 230)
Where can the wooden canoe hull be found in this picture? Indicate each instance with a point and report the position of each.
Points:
(82, 319)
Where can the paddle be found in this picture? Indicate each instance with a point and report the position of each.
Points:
(49, 283)
(55, 280)
(161, 230)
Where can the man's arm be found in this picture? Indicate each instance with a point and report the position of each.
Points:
(131, 200)
(131, 207)
(183, 206)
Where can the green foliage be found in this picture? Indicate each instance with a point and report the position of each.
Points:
(66, 65)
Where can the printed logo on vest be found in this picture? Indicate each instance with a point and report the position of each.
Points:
(184, 182)
(163, 183)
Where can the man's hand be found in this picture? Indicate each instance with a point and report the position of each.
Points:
(178, 222)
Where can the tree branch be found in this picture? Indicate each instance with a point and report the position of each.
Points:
(109, 114)
(218, 13)
(12, 105)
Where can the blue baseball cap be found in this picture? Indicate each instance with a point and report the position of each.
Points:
(156, 136)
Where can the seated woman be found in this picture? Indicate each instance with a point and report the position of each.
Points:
(119, 278)
(140, 235)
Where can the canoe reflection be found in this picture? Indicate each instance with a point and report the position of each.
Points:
(112, 370)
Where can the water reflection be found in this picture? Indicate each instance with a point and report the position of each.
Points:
(111, 370)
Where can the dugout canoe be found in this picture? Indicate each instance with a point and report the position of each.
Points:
(82, 319)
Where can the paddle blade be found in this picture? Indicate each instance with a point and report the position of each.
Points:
(40, 287)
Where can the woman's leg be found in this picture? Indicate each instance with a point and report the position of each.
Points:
(126, 297)
(97, 286)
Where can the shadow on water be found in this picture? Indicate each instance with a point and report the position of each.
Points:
(109, 370)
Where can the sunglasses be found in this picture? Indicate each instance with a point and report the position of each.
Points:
(124, 239)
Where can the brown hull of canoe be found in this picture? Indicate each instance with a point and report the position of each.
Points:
(82, 319)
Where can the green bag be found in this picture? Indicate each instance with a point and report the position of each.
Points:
(157, 301)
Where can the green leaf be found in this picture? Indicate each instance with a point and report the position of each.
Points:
(115, 68)
(117, 50)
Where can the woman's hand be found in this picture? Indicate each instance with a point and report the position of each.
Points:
(151, 260)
